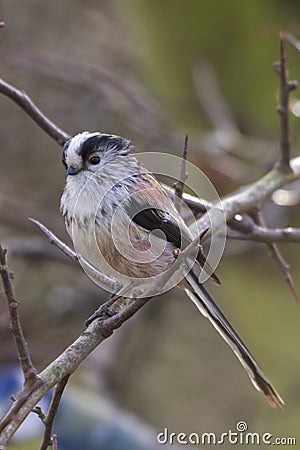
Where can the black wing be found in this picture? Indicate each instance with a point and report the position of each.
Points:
(152, 219)
(155, 219)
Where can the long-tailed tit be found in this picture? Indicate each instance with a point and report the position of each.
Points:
(123, 222)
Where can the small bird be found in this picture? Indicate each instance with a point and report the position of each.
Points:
(122, 221)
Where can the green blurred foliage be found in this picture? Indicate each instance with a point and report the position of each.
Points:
(239, 38)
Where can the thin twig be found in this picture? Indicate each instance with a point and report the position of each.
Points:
(285, 268)
(25, 102)
(179, 185)
(56, 398)
(277, 256)
(292, 40)
(90, 270)
(248, 199)
(198, 205)
(283, 108)
(54, 442)
(244, 228)
(29, 370)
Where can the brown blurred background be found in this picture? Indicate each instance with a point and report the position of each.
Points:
(153, 71)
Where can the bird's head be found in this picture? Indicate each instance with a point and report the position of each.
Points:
(88, 152)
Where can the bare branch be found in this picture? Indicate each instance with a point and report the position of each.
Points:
(25, 102)
(250, 198)
(179, 185)
(52, 412)
(283, 109)
(91, 271)
(13, 306)
(292, 40)
(266, 235)
(54, 442)
(285, 268)
(245, 229)
(196, 204)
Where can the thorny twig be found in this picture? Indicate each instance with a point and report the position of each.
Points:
(15, 323)
(276, 254)
(283, 108)
(52, 412)
(179, 185)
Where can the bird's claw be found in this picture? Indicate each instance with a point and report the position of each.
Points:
(102, 313)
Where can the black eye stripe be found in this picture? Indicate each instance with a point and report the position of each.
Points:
(63, 157)
(103, 142)
(90, 146)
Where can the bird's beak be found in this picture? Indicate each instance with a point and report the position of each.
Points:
(73, 170)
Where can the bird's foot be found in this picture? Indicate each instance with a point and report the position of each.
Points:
(102, 313)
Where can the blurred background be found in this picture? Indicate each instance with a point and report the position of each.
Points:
(151, 71)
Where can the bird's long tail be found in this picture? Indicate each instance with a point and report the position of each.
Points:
(206, 305)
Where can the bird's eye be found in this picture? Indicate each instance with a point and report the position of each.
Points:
(94, 159)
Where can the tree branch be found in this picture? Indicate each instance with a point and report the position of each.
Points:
(266, 235)
(54, 442)
(29, 370)
(277, 256)
(56, 398)
(292, 40)
(25, 102)
(196, 204)
(250, 198)
(179, 185)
